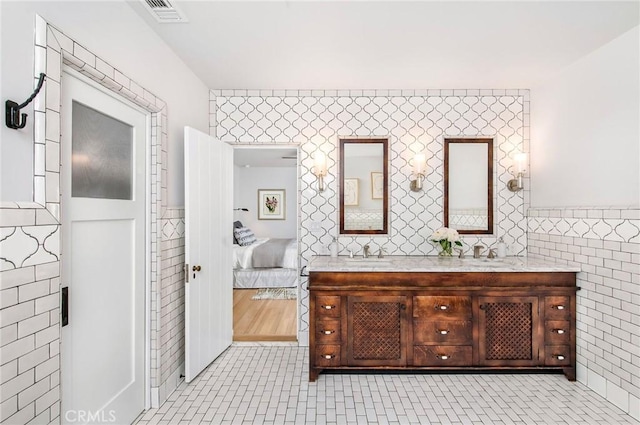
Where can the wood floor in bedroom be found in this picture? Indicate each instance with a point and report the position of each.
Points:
(262, 320)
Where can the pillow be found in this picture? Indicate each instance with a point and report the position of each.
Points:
(236, 225)
(244, 236)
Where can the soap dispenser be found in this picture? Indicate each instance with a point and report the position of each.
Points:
(333, 248)
(502, 248)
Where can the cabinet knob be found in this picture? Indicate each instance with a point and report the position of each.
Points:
(559, 331)
(559, 356)
(442, 356)
(328, 356)
(442, 331)
(326, 332)
(442, 307)
(559, 307)
(328, 307)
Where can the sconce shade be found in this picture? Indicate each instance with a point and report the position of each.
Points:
(520, 160)
(419, 164)
(320, 164)
(419, 169)
(320, 168)
(520, 166)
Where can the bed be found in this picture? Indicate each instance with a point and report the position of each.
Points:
(265, 263)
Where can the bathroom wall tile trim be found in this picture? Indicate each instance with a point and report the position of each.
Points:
(415, 121)
(30, 243)
(605, 244)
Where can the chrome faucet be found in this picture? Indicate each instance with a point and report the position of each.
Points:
(365, 253)
(381, 253)
(476, 251)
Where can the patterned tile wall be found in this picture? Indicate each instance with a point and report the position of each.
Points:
(415, 121)
(605, 244)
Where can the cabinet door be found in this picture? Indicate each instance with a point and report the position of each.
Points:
(376, 330)
(508, 333)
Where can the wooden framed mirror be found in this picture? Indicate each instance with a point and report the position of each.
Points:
(468, 185)
(364, 200)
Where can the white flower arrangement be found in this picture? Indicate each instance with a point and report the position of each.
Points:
(447, 238)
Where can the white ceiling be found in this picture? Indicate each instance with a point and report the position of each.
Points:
(386, 45)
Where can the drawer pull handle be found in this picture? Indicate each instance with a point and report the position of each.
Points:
(559, 356)
(327, 332)
(443, 357)
(442, 331)
(328, 307)
(559, 307)
(442, 307)
(559, 331)
(328, 356)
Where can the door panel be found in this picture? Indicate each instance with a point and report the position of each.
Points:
(103, 191)
(508, 331)
(376, 330)
(208, 247)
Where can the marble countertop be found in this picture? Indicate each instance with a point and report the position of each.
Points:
(434, 264)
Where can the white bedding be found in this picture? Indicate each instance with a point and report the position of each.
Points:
(242, 255)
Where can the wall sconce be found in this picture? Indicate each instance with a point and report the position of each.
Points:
(319, 169)
(520, 164)
(419, 169)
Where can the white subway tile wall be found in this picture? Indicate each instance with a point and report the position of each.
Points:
(30, 245)
(605, 244)
(171, 348)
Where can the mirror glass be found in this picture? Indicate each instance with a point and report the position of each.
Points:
(468, 185)
(363, 186)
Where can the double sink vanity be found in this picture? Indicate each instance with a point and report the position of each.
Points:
(434, 313)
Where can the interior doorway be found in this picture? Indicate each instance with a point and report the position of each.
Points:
(104, 234)
(266, 253)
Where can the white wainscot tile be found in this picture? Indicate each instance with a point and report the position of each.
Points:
(43, 234)
(17, 246)
(628, 231)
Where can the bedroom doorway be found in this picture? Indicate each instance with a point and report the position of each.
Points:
(265, 251)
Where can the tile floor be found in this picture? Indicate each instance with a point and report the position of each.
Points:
(268, 384)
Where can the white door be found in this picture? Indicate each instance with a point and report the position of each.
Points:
(103, 255)
(208, 242)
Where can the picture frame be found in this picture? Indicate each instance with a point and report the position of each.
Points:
(377, 185)
(271, 204)
(351, 190)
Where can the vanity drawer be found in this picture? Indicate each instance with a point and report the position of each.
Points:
(328, 306)
(557, 355)
(441, 307)
(442, 332)
(442, 355)
(327, 355)
(557, 332)
(557, 307)
(328, 331)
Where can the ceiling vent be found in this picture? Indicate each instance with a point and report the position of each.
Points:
(164, 11)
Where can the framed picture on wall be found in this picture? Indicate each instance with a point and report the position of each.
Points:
(377, 185)
(351, 192)
(271, 204)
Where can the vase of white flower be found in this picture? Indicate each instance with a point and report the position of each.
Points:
(446, 238)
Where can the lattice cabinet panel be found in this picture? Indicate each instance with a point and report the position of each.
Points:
(507, 330)
(376, 330)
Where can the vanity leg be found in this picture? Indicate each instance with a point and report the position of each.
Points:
(313, 374)
(570, 373)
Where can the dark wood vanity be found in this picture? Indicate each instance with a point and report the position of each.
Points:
(442, 320)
